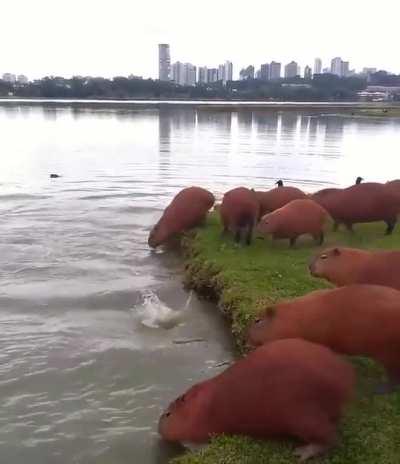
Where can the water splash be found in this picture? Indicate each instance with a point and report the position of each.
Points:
(156, 314)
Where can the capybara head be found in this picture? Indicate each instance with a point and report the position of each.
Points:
(359, 180)
(258, 332)
(158, 235)
(267, 224)
(183, 420)
(279, 183)
(326, 263)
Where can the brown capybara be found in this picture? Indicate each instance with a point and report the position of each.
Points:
(239, 212)
(294, 219)
(394, 186)
(188, 209)
(290, 388)
(278, 197)
(368, 202)
(359, 320)
(345, 266)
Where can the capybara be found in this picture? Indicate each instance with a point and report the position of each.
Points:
(394, 186)
(294, 219)
(239, 212)
(359, 320)
(345, 266)
(188, 209)
(278, 197)
(368, 202)
(289, 388)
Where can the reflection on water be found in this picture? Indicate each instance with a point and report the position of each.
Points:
(88, 313)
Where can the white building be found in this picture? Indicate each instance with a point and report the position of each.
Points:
(164, 62)
(291, 70)
(184, 73)
(274, 70)
(22, 79)
(317, 66)
(8, 77)
(202, 75)
(228, 71)
(308, 72)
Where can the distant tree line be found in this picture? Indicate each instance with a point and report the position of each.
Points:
(327, 87)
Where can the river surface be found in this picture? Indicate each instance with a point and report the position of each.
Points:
(85, 364)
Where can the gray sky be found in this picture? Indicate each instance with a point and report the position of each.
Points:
(120, 37)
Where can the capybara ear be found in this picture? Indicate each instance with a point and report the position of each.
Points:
(336, 251)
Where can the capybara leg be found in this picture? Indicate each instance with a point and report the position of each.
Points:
(310, 451)
(292, 242)
(335, 227)
(249, 234)
(237, 235)
(319, 238)
(390, 226)
(349, 227)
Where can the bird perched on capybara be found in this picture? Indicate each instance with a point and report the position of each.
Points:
(278, 197)
(188, 209)
(294, 219)
(239, 212)
(290, 388)
(345, 266)
(359, 320)
(368, 202)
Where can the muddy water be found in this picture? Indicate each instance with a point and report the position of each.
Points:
(87, 352)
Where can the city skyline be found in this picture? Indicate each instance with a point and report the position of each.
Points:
(92, 38)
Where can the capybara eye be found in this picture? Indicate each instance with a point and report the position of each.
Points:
(167, 414)
(257, 321)
(323, 256)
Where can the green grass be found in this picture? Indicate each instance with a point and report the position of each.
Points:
(242, 279)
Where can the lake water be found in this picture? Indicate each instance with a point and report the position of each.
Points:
(85, 368)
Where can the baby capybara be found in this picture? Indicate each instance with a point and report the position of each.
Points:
(188, 209)
(278, 197)
(345, 266)
(239, 212)
(368, 202)
(290, 388)
(294, 219)
(359, 320)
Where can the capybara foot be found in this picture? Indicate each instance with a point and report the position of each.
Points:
(292, 242)
(349, 227)
(309, 451)
(390, 228)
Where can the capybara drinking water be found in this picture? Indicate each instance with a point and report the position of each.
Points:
(290, 388)
(368, 202)
(278, 197)
(345, 266)
(359, 320)
(239, 212)
(294, 219)
(188, 209)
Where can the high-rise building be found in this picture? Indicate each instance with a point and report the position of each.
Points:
(212, 75)
(291, 70)
(336, 66)
(247, 73)
(164, 62)
(345, 68)
(189, 71)
(264, 72)
(326, 71)
(228, 71)
(202, 75)
(8, 77)
(221, 72)
(317, 66)
(308, 73)
(274, 70)
(178, 75)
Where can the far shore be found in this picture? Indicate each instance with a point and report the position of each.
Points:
(220, 104)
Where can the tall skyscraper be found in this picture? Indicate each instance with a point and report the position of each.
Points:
(221, 72)
(336, 66)
(291, 70)
(189, 74)
(202, 75)
(178, 75)
(228, 71)
(345, 68)
(317, 66)
(308, 73)
(274, 70)
(164, 62)
(212, 75)
(264, 72)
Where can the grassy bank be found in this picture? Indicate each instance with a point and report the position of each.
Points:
(242, 280)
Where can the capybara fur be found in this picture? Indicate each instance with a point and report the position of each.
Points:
(188, 209)
(394, 186)
(345, 266)
(367, 202)
(239, 212)
(294, 219)
(289, 388)
(278, 197)
(359, 320)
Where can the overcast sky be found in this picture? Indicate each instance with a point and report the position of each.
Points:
(120, 37)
